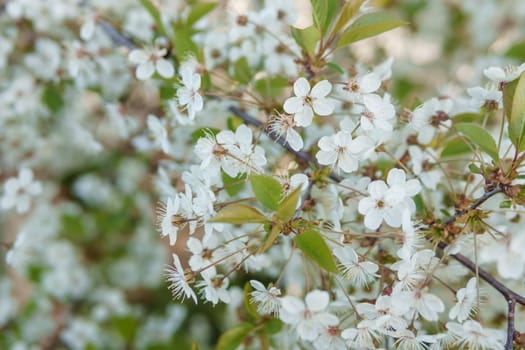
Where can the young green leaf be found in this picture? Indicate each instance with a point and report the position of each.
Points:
(267, 190)
(514, 103)
(306, 38)
(312, 244)
(239, 213)
(270, 238)
(319, 12)
(233, 185)
(248, 305)
(288, 205)
(349, 10)
(368, 25)
(155, 14)
(242, 71)
(198, 11)
(480, 137)
(232, 338)
(455, 147)
(183, 43)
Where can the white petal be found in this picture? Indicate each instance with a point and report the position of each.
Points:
(301, 87)
(145, 70)
(293, 105)
(373, 219)
(323, 106)
(396, 177)
(165, 68)
(304, 117)
(317, 300)
(138, 56)
(294, 139)
(321, 89)
(369, 83)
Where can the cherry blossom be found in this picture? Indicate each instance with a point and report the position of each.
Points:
(18, 191)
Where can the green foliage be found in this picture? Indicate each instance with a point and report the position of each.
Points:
(239, 213)
(183, 44)
(368, 25)
(155, 14)
(242, 71)
(251, 309)
(514, 103)
(270, 238)
(312, 244)
(347, 13)
(307, 38)
(52, 97)
(267, 190)
(198, 11)
(454, 147)
(288, 205)
(270, 87)
(233, 185)
(323, 12)
(480, 137)
(232, 338)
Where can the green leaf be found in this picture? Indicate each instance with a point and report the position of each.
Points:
(319, 12)
(239, 213)
(368, 25)
(506, 204)
(250, 307)
(517, 51)
(332, 7)
(233, 185)
(232, 338)
(126, 326)
(167, 92)
(203, 132)
(349, 10)
(194, 346)
(312, 244)
(270, 238)
(288, 205)
(335, 67)
(267, 190)
(270, 87)
(183, 44)
(306, 38)
(273, 325)
(515, 111)
(455, 147)
(155, 14)
(242, 71)
(198, 11)
(480, 137)
(52, 97)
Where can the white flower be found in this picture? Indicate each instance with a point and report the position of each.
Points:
(363, 336)
(283, 124)
(18, 191)
(504, 75)
(188, 95)
(179, 282)
(215, 289)
(159, 133)
(379, 113)
(357, 272)
(466, 304)
(341, 150)
(310, 319)
(267, 300)
(431, 116)
(480, 97)
(202, 254)
(175, 214)
(471, 335)
(426, 304)
(362, 85)
(423, 166)
(306, 102)
(150, 60)
(330, 338)
(387, 203)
